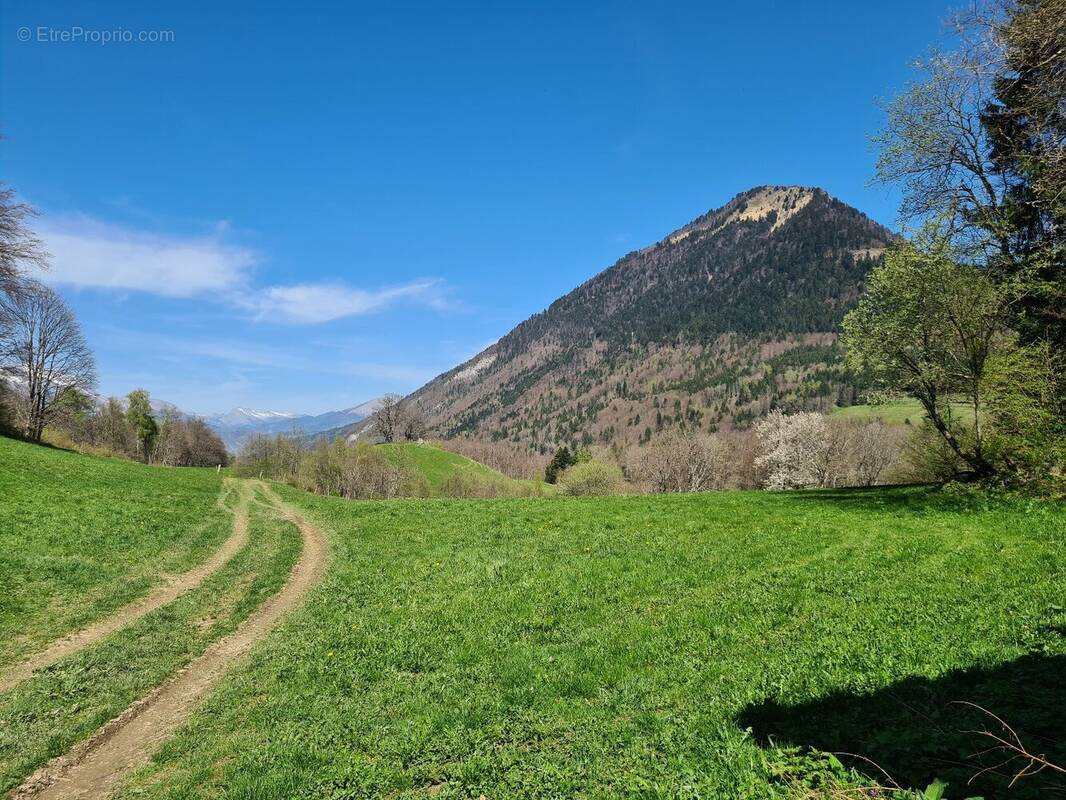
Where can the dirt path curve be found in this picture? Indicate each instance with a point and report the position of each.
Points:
(92, 769)
(158, 597)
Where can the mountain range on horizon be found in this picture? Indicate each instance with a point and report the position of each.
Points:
(732, 314)
(236, 426)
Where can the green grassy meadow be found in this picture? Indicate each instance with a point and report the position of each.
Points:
(81, 536)
(656, 647)
(65, 703)
(895, 412)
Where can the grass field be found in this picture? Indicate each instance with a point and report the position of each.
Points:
(67, 702)
(438, 466)
(81, 536)
(643, 647)
(896, 412)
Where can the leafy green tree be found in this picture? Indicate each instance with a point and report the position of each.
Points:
(1027, 434)
(927, 327)
(980, 142)
(139, 416)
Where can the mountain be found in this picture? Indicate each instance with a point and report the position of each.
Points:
(726, 317)
(249, 416)
(236, 426)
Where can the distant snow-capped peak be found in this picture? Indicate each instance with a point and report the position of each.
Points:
(256, 414)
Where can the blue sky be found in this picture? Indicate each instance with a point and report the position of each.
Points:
(301, 206)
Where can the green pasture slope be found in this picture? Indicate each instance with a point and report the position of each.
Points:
(653, 647)
(438, 465)
(81, 536)
(895, 412)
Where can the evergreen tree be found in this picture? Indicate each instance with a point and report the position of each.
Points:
(139, 416)
(561, 461)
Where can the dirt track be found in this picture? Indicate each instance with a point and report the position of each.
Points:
(93, 768)
(159, 597)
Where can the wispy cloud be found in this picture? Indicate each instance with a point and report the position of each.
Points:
(319, 302)
(238, 353)
(87, 253)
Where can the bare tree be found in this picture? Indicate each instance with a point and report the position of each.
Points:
(19, 247)
(388, 418)
(935, 148)
(187, 441)
(44, 349)
(413, 424)
(876, 449)
(679, 462)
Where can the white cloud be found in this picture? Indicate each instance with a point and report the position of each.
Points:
(89, 254)
(311, 302)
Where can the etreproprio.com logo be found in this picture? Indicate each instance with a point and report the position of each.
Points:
(76, 34)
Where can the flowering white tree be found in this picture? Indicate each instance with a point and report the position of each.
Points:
(801, 451)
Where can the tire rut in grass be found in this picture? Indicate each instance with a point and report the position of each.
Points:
(93, 768)
(159, 597)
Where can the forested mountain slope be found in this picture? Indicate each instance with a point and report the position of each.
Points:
(731, 313)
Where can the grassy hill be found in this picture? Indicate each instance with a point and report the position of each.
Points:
(608, 647)
(442, 468)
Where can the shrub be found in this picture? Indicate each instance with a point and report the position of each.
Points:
(592, 478)
(464, 484)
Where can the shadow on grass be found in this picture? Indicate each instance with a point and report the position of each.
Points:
(914, 498)
(918, 730)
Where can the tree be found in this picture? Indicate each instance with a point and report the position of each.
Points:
(7, 407)
(203, 447)
(927, 327)
(561, 461)
(388, 417)
(140, 419)
(74, 410)
(413, 424)
(876, 449)
(680, 462)
(1025, 122)
(112, 430)
(19, 247)
(801, 451)
(1027, 431)
(44, 350)
(980, 143)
